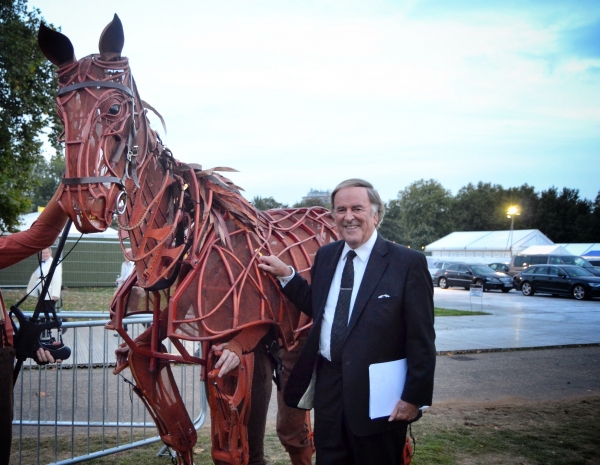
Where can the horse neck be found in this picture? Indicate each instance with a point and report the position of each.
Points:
(151, 216)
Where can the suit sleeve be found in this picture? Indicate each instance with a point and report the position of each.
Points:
(420, 335)
(42, 234)
(299, 291)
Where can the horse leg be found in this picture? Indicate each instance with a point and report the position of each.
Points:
(160, 394)
(229, 400)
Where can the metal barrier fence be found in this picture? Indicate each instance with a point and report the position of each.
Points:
(79, 410)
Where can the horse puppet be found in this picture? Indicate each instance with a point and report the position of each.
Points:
(195, 243)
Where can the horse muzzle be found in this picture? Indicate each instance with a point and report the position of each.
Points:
(91, 202)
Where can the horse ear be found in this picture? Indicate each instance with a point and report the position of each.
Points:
(112, 40)
(55, 46)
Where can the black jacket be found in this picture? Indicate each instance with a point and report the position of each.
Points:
(381, 329)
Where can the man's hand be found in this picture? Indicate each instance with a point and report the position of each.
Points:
(122, 353)
(272, 264)
(404, 411)
(43, 357)
(227, 361)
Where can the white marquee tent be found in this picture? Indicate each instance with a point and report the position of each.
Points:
(582, 249)
(28, 219)
(486, 246)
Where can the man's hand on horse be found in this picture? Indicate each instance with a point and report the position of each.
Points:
(44, 357)
(272, 264)
(227, 361)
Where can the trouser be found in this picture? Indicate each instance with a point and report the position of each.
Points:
(292, 427)
(334, 441)
(261, 394)
(7, 364)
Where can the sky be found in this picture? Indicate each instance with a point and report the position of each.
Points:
(300, 95)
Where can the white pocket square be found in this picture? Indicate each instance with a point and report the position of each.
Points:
(383, 296)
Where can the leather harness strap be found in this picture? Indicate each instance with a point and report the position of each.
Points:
(92, 180)
(133, 149)
(97, 84)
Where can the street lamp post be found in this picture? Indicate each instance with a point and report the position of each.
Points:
(512, 211)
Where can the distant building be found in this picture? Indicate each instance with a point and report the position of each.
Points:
(314, 194)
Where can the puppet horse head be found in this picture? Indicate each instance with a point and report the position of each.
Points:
(103, 121)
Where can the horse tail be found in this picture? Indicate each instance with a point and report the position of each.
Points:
(160, 394)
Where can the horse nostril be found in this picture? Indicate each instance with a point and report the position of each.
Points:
(114, 109)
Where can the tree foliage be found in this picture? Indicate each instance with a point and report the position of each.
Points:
(312, 202)
(418, 215)
(425, 212)
(266, 203)
(45, 179)
(565, 217)
(27, 107)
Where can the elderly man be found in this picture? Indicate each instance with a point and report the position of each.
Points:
(14, 248)
(371, 302)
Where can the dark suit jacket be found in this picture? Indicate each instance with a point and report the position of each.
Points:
(380, 329)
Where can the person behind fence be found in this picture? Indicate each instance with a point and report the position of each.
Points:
(371, 301)
(13, 249)
(38, 277)
(127, 268)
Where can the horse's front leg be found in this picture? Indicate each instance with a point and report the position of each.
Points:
(160, 394)
(229, 398)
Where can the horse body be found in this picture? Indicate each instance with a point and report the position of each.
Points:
(195, 242)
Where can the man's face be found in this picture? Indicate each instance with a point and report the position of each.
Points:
(354, 215)
(46, 254)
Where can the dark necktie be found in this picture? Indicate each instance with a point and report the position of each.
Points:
(342, 310)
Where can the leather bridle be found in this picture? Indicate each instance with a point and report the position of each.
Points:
(131, 165)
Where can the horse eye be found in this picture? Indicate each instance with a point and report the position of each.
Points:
(113, 110)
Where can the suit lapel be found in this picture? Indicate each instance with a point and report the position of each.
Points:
(376, 266)
(328, 264)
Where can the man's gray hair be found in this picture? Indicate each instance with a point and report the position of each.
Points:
(377, 205)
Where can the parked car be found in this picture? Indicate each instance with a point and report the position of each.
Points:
(440, 267)
(463, 275)
(558, 280)
(431, 265)
(520, 262)
(592, 260)
(502, 267)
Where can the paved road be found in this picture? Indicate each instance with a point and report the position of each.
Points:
(522, 375)
(514, 376)
(514, 321)
(499, 357)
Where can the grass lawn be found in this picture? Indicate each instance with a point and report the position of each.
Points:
(99, 298)
(550, 433)
(448, 312)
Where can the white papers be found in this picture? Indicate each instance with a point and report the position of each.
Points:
(386, 383)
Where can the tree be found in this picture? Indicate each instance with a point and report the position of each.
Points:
(312, 202)
(595, 220)
(480, 208)
(27, 98)
(266, 203)
(564, 217)
(419, 215)
(46, 178)
(527, 200)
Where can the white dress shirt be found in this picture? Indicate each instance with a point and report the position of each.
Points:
(363, 253)
(36, 281)
(126, 269)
